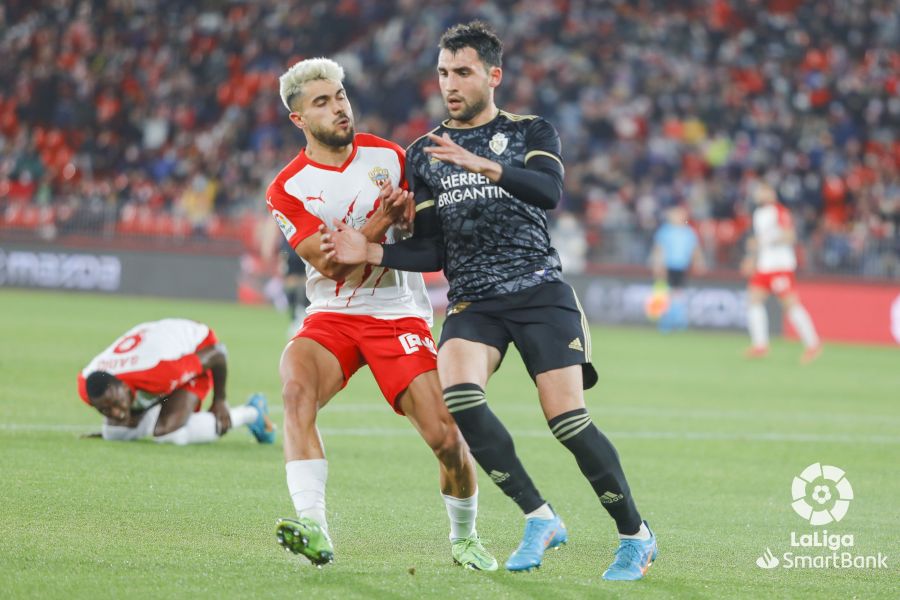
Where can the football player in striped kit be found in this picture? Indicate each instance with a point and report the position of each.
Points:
(483, 182)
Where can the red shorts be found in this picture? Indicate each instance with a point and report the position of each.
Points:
(396, 350)
(779, 283)
(199, 386)
(202, 383)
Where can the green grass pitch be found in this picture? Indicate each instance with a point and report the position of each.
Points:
(710, 443)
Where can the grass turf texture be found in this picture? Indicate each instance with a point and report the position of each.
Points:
(710, 443)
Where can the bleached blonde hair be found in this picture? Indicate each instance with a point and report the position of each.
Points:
(293, 80)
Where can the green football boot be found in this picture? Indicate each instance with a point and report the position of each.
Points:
(304, 536)
(469, 553)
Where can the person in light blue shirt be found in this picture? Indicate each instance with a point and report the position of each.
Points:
(675, 250)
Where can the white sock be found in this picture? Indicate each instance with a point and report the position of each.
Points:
(462, 513)
(199, 429)
(802, 322)
(306, 484)
(243, 415)
(642, 534)
(758, 324)
(541, 512)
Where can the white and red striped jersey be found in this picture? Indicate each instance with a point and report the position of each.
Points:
(306, 194)
(774, 254)
(153, 359)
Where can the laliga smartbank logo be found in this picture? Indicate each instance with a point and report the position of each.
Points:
(821, 495)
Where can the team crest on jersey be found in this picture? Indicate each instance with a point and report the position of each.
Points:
(498, 143)
(286, 227)
(379, 176)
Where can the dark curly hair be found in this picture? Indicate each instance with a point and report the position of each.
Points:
(97, 383)
(477, 35)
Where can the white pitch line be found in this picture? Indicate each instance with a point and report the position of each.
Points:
(600, 411)
(655, 435)
(46, 427)
(539, 433)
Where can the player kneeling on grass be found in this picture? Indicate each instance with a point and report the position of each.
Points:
(152, 380)
(357, 315)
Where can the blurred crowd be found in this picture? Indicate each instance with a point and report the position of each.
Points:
(162, 117)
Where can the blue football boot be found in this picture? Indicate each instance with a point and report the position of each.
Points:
(540, 535)
(633, 558)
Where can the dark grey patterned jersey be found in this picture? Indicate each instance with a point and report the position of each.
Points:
(494, 238)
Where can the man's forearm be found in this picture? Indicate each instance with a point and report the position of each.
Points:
(375, 228)
(219, 374)
(418, 255)
(213, 359)
(539, 188)
(374, 253)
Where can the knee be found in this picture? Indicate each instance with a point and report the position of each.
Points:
(299, 400)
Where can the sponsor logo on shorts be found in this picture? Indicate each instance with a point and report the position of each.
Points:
(781, 284)
(413, 342)
(576, 345)
(458, 308)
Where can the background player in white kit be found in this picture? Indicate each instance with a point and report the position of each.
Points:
(357, 315)
(152, 379)
(770, 263)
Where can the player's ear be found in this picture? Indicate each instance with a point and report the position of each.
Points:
(297, 120)
(495, 76)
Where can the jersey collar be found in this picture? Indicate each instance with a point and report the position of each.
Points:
(446, 123)
(306, 159)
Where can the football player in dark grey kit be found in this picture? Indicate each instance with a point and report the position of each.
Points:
(483, 182)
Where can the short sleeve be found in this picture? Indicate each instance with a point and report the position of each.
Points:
(659, 235)
(295, 222)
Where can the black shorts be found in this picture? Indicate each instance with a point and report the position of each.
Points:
(676, 278)
(545, 322)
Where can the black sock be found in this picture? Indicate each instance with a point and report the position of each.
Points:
(599, 462)
(491, 444)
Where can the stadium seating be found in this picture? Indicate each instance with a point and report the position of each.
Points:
(112, 104)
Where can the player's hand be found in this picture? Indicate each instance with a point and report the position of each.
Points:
(448, 151)
(396, 204)
(222, 413)
(343, 244)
